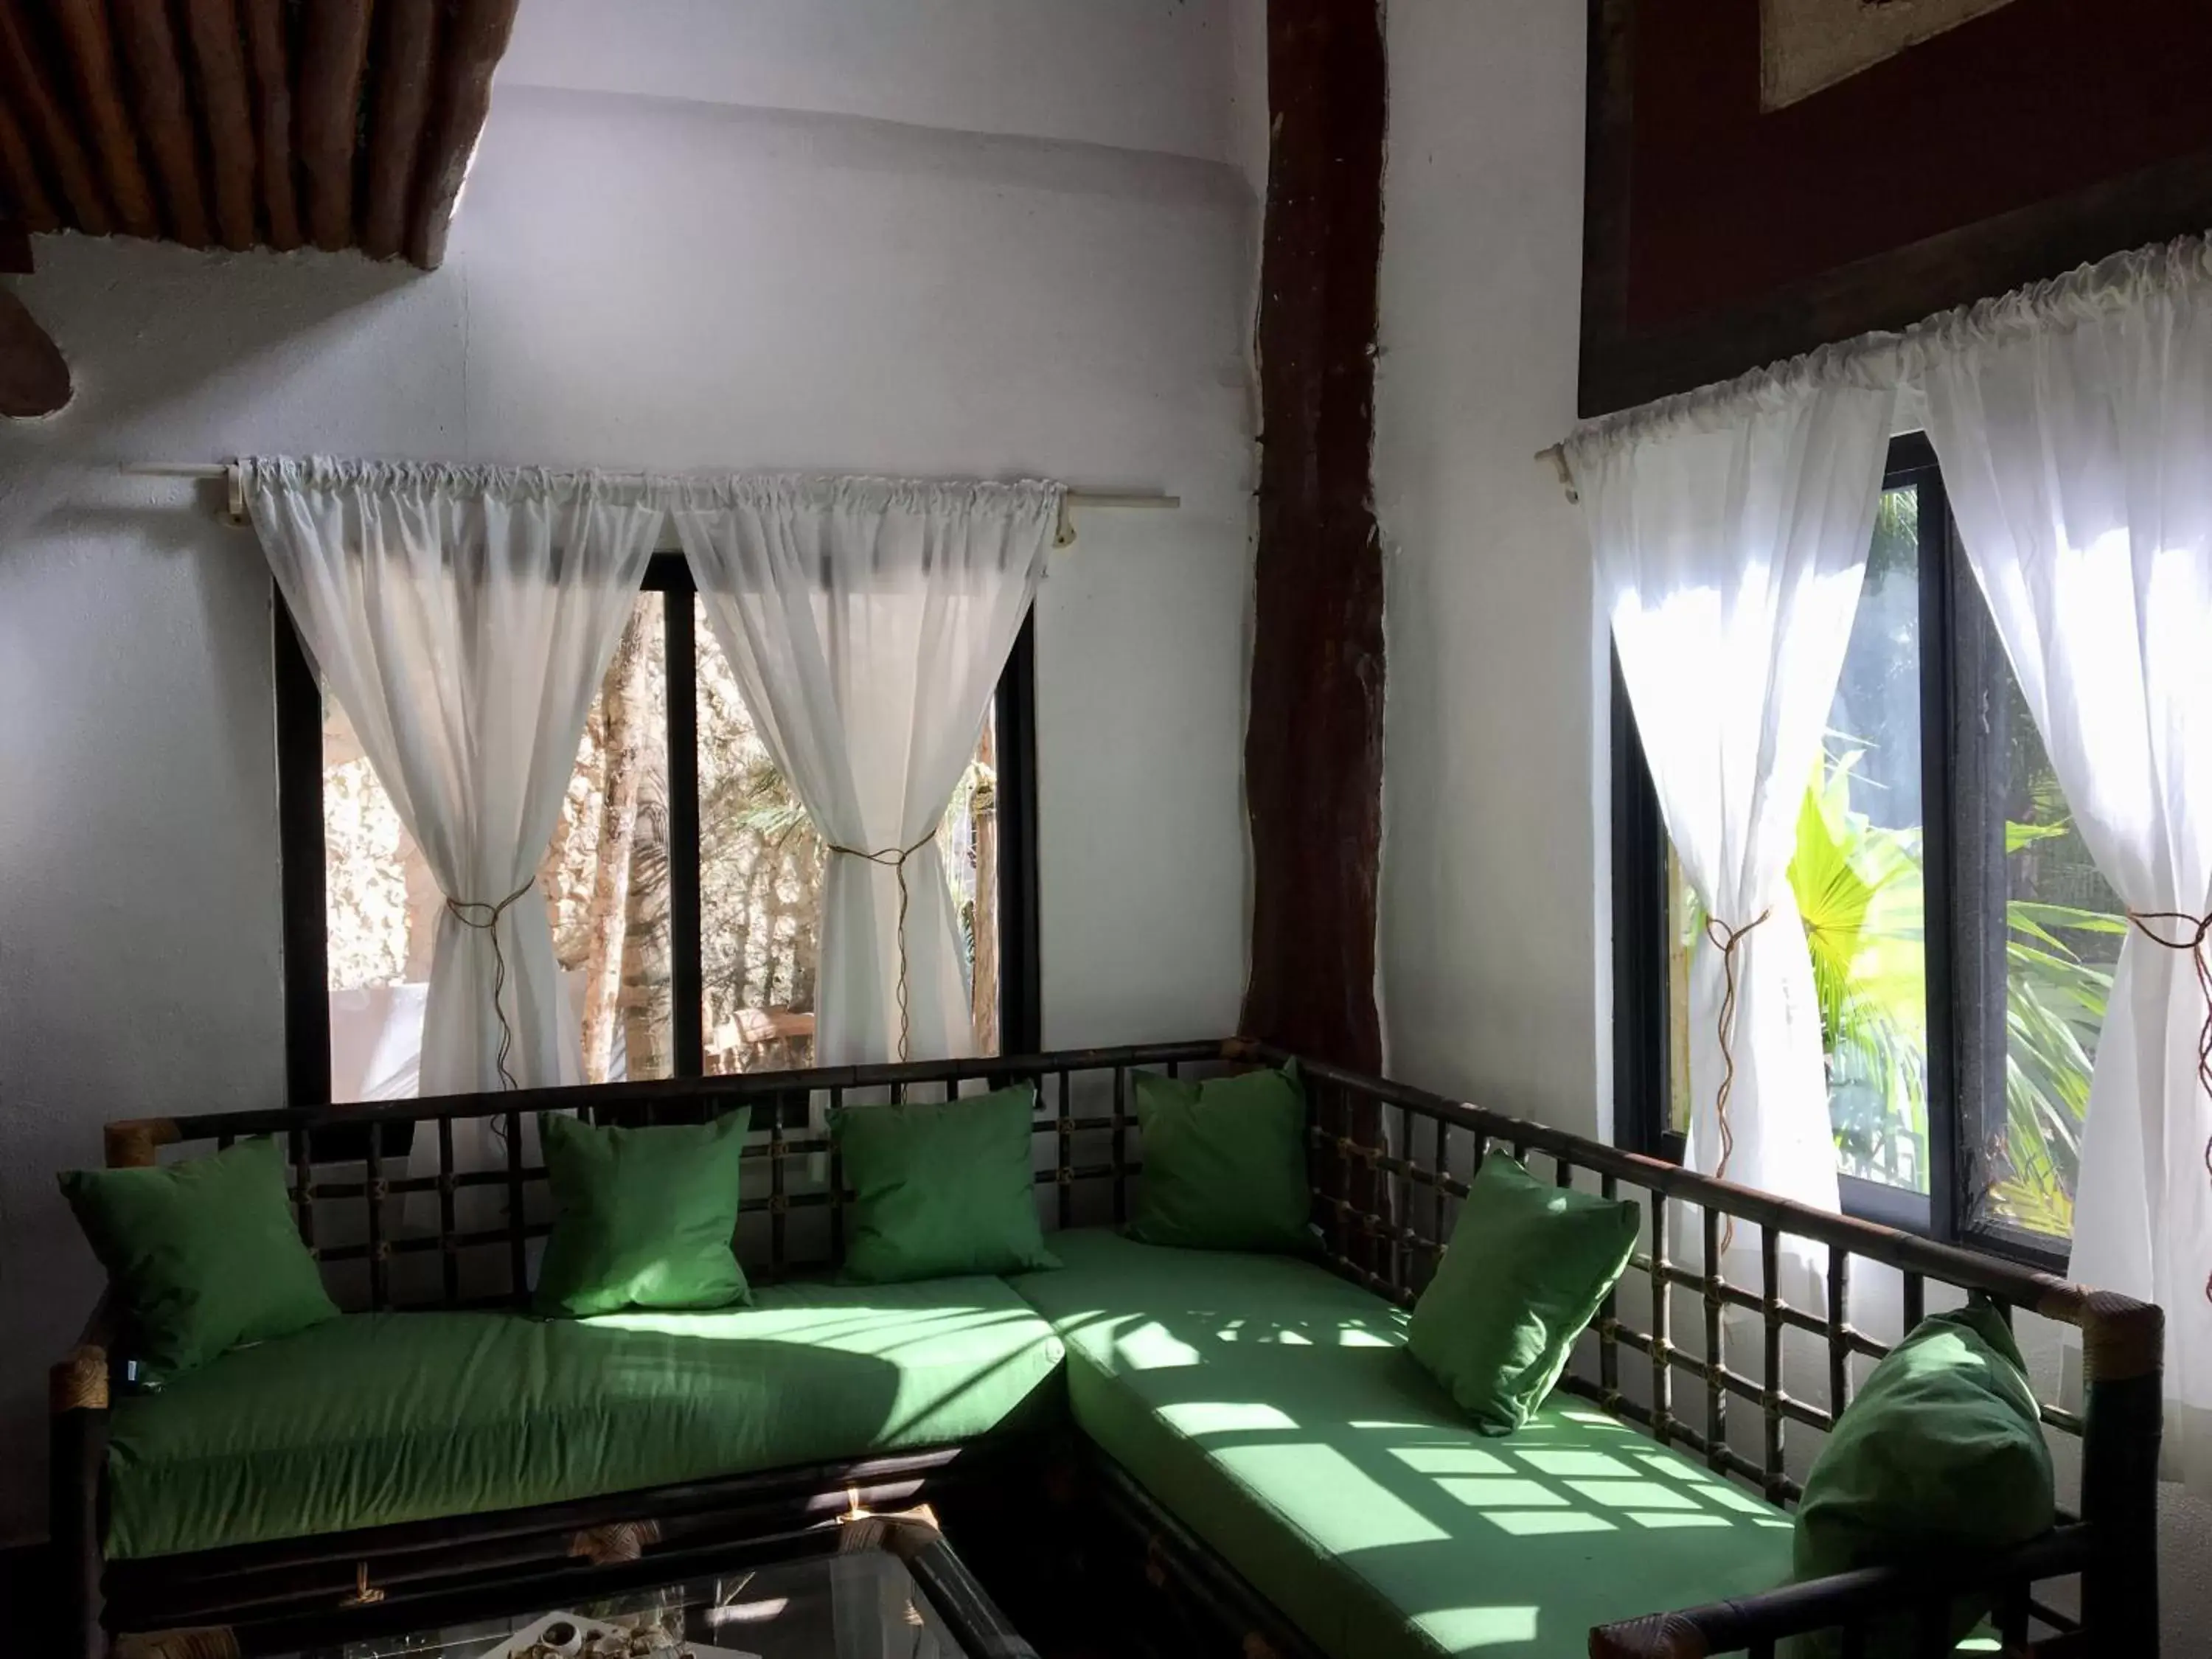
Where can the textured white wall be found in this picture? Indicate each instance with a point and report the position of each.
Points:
(1169, 75)
(1494, 922)
(633, 282)
(1496, 919)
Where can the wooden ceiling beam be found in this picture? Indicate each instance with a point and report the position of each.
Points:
(46, 122)
(406, 61)
(165, 114)
(212, 27)
(474, 43)
(19, 177)
(265, 28)
(333, 48)
(100, 103)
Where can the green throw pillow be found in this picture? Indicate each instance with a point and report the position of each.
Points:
(204, 1255)
(642, 1217)
(942, 1190)
(1942, 1453)
(1224, 1163)
(1527, 1266)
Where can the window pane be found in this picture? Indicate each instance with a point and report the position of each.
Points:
(1686, 920)
(603, 878)
(605, 874)
(1856, 877)
(970, 846)
(2063, 930)
(380, 910)
(1856, 873)
(760, 886)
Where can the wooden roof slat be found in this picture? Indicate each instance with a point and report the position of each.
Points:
(217, 55)
(26, 78)
(345, 122)
(265, 28)
(95, 79)
(327, 122)
(165, 114)
(474, 40)
(19, 177)
(406, 61)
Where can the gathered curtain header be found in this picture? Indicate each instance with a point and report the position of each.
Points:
(662, 491)
(2178, 273)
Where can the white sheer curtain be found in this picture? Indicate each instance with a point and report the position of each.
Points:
(2073, 424)
(463, 617)
(867, 621)
(1731, 531)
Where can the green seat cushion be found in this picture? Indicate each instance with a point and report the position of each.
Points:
(1224, 1163)
(1941, 1453)
(642, 1217)
(941, 1189)
(204, 1254)
(1527, 1265)
(374, 1419)
(1271, 1406)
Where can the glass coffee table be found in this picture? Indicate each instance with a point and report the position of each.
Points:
(882, 1588)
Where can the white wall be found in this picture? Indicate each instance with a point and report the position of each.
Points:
(632, 281)
(1170, 75)
(1494, 925)
(1497, 922)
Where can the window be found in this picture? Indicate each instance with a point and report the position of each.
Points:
(1962, 941)
(682, 882)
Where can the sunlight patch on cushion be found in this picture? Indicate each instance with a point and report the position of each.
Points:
(1458, 1629)
(1151, 1347)
(1326, 1493)
(1542, 1523)
(1508, 1494)
(1450, 1459)
(1224, 1416)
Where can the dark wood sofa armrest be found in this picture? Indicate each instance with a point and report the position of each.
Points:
(1759, 1622)
(78, 1396)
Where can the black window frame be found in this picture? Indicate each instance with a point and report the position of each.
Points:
(1964, 879)
(303, 855)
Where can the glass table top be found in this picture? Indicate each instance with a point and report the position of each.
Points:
(833, 1593)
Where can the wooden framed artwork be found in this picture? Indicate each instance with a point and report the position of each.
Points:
(1764, 176)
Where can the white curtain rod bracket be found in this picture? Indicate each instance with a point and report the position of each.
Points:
(234, 504)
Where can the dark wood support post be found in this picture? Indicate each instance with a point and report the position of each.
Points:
(77, 1397)
(2123, 1356)
(1313, 750)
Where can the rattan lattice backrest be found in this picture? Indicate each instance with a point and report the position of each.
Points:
(395, 1221)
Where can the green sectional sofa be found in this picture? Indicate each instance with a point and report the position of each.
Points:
(1297, 1478)
(378, 1418)
(1272, 1408)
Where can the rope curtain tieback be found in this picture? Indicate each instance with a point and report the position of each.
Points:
(2190, 934)
(894, 860)
(479, 914)
(1726, 939)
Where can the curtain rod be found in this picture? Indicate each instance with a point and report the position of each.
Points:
(235, 506)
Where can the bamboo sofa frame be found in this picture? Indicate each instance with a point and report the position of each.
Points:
(1389, 1165)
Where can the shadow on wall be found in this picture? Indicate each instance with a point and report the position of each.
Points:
(138, 802)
